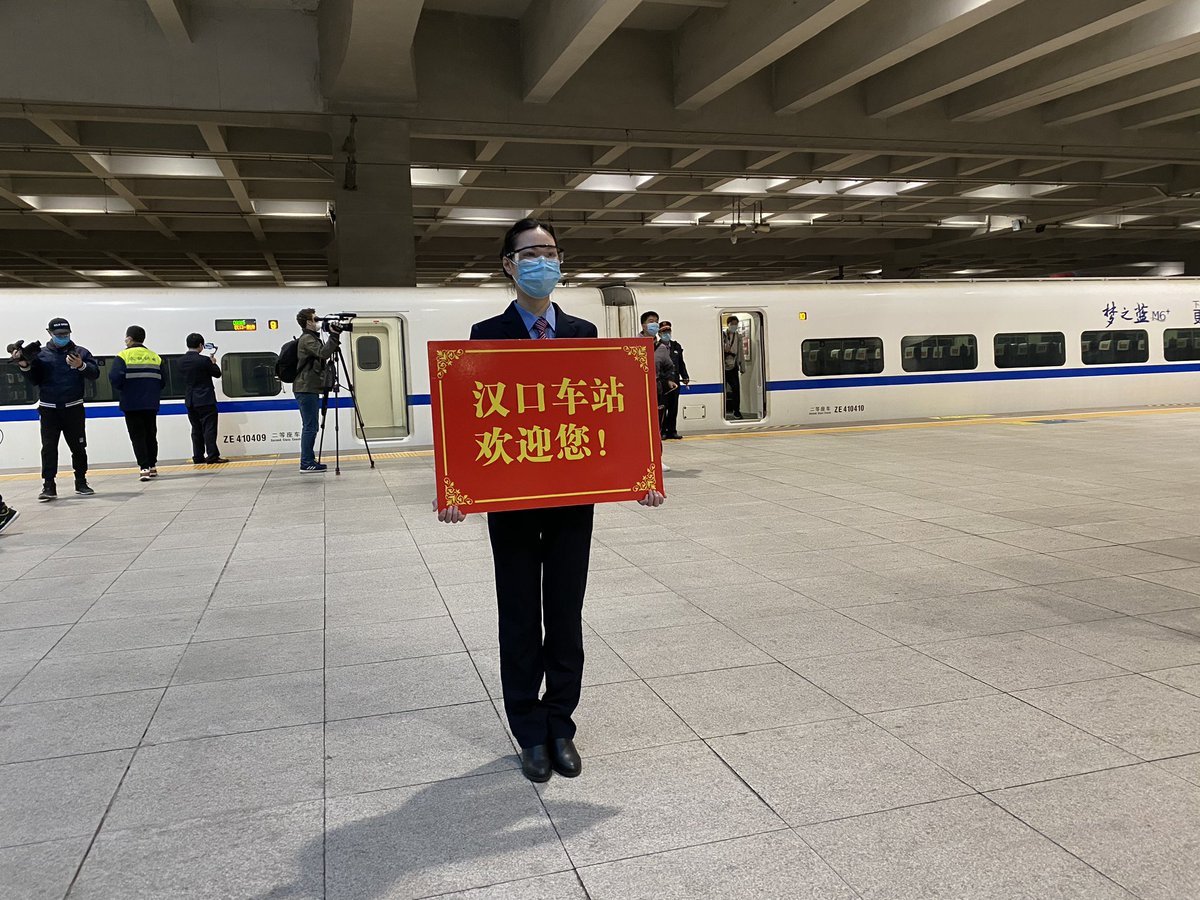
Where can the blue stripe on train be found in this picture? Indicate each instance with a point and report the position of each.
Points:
(26, 414)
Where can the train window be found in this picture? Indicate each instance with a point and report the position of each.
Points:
(842, 356)
(173, 386)
(1029, 350)
(249, 375)
(368, 352)
(15, 388)
(939, 352)
(1181, 344)
(1102, 347)
(101, 390)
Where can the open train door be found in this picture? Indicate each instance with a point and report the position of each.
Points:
(744, 364)
(378, 367)
(620, 311)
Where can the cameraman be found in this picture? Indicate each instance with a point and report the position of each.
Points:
(59, 371)
(311, 356)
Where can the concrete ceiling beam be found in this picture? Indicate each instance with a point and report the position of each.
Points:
(1185, 105)
(718, 49)
(366, 50)
(898, 29)
(558, 38)
(174, 18)
(1150, 40)
(1143, 87)
(66, 134)
(964, 60)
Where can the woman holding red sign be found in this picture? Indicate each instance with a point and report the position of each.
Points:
(541, 555)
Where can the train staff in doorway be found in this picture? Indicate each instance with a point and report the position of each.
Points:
(200, 399)
(138, 374)
(733, 359)
(540, 555)
(59, 371)
(670, 431)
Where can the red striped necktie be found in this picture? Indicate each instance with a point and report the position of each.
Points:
(542, 327)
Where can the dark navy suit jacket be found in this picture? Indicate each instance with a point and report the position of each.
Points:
(509, 326)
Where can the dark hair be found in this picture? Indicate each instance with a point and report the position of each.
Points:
(734, 319)
(647, 314)
(304, 315)
(510, 238)
(195, 340)
(137, 332)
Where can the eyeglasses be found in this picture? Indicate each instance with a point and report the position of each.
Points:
(537, 251)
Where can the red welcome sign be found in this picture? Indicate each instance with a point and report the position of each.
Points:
(528, 424)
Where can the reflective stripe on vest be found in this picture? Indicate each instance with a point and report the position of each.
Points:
(141, 362)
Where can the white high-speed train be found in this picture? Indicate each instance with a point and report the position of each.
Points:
(814, 353)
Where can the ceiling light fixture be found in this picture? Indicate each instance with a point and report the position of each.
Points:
(420, 176)
(158, 166)
(613, 184)
(467, 216)
(76, 205)
(291, 209)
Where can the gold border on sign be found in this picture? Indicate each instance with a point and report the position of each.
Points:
(455, 497)
(445, 359)
(639, 355)
(649, 482)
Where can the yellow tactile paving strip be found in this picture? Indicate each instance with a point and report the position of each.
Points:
(946, 422)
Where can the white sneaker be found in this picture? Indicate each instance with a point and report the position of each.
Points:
(666, 468)
(153, 472)
(145, 475)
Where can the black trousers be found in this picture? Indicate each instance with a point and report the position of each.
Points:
(541, 558)
(733, 385)
(204, 433)
(67, 422)
(670, 422)
(142, 425)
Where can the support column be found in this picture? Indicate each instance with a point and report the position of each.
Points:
(374, 240)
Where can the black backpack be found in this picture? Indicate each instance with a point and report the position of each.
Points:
(287, 368)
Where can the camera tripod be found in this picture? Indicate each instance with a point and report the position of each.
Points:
(339, 366)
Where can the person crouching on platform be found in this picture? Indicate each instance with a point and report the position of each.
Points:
(540, 555)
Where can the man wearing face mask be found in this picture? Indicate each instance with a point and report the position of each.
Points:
(59, 371)
(733, 357)
(541, 555)
(649, 325)
(670, 429)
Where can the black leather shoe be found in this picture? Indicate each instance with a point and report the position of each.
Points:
(535, 763)
(565, 758)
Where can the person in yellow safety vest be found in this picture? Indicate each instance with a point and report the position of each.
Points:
(138, 374)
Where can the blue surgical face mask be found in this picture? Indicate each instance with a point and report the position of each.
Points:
(665, 336)
(652, 328)
(60, 340)
(537, 277)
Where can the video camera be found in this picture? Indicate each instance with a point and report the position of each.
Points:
(338, 322)
(28, 352)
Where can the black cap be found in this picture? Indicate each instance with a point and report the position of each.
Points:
(59, 324)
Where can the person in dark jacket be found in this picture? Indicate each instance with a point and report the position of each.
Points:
(670, 430)
(541, 555)
(139, 373)
(312, 354)
(59, 371)
(200, 399)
